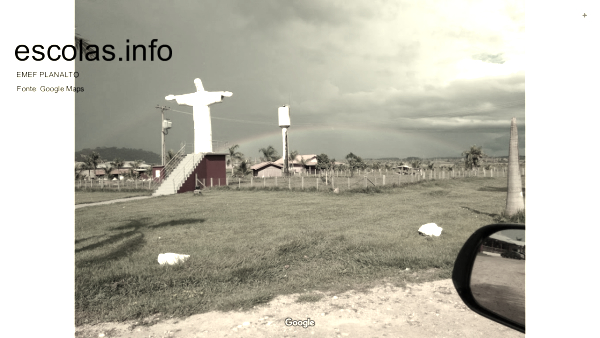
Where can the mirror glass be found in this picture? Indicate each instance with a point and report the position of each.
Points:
(498, 277)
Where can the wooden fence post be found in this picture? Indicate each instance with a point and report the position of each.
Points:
(317, 184)
(239, 183)
(383, 179)
(211, 185)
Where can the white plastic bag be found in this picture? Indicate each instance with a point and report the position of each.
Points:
(430, 229)
(171, 258)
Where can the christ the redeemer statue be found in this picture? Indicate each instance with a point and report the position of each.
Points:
(201, 101)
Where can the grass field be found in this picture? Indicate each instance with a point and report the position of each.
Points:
(249, 246)
(92, 196)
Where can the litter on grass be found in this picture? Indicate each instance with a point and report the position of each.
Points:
(430, 229)
(171, 258)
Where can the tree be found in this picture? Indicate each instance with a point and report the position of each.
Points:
(302, 162)
(292, 157)
(269, 154)
(323, 162)
(332, 165)
(117, 162)
(234, 155)
(416, 164)
(84, 42)
(133, 173)
(79, 167)
(169, 155)
(473, 157)
(243, 169)
(107, 169)
(91, 161)
(514, 197)
(354, 163)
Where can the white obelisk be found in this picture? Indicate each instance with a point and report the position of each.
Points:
(201, 101)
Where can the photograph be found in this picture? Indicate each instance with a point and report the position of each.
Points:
(294, 168)
(302, 167)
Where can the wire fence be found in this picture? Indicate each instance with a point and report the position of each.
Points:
(344, 180)
(116, 185)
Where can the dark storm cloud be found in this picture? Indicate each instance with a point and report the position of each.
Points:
(387, 66)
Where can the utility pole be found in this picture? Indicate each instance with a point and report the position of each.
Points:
(162, 132)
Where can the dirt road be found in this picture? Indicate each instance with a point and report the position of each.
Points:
(430, 309)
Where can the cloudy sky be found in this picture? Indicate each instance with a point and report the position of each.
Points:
(377, 78)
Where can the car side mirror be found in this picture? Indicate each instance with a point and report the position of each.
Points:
(489, 274)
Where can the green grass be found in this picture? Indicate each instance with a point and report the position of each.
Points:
(240, 243)
(92, 196)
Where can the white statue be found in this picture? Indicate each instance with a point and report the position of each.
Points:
(201, 101)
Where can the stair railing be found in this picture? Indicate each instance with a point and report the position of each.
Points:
(169, 167)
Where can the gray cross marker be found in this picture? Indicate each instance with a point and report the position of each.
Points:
(584, 15)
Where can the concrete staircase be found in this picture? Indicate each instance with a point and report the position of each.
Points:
(177, 177)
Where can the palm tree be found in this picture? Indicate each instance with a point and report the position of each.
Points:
(117, 162)
(91, 162)
(473, 157)
(514, 198)
(243, 169)
(269, 154)
(302, 162)
(292, 157)
(84, 42)
(234, 155)
(107, 169)
(169, 155)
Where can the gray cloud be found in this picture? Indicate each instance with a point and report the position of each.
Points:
(388, 67)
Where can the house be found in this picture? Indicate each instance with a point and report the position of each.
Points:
(297, 167)
(267, 169)
(121, 172)
(406, 170)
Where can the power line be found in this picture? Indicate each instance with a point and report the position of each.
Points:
(459, 113)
